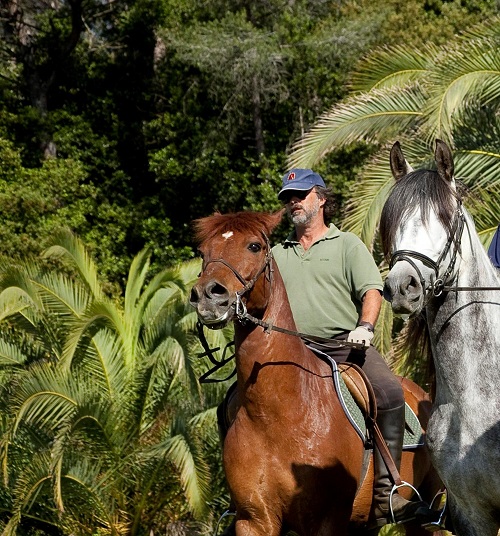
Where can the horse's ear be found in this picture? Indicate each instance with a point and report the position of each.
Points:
(444, 161)
(274, 220)
(399, 165)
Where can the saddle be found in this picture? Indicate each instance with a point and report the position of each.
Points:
(360, 389)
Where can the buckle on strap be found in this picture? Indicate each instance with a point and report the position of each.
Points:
(240, 309)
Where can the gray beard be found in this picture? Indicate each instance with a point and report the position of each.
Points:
(304, 217)
(300, 219)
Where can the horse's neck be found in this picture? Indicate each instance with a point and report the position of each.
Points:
(464, 332)
(256, 348)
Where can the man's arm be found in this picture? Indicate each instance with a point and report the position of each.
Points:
(370, 309)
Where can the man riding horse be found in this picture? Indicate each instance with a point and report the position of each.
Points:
(334, 288)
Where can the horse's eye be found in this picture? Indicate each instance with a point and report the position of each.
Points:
(254, 247)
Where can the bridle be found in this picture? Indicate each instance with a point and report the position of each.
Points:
(438, 285)
(441, 283)
(240, 312)
(247, 284)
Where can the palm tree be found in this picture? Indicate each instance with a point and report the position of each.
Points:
(103, 404)
(449, 92)
(417, 95)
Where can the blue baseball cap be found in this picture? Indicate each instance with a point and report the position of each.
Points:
(300, 179)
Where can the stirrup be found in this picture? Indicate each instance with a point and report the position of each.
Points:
(393, 490)
(440, 500)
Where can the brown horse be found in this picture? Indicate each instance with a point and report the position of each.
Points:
(291, 457)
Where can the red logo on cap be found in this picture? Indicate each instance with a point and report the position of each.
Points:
(291, 176)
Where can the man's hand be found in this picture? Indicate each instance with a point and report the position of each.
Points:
(361, 335)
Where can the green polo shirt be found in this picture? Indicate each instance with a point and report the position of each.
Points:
(326, 283)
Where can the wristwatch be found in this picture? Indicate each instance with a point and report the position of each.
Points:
(366, 325)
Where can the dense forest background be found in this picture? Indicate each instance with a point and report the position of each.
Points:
(125, 120)
(121, 122)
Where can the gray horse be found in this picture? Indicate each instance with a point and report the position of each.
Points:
(440, 270)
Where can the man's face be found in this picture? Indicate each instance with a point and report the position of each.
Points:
(302, 206)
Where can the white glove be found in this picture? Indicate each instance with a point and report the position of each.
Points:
(361, 335)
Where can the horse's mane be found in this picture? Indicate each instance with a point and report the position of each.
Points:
(417, 345)
(243, 222)
(423, 188)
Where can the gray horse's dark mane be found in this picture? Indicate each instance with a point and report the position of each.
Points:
(423, 188)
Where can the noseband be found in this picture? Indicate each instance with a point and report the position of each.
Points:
(438, 285)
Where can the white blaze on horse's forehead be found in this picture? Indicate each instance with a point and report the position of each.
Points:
(227, 234)
(428, 239)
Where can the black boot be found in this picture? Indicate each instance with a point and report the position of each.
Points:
(392, 425)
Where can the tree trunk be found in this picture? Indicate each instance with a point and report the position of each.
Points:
(257, 118)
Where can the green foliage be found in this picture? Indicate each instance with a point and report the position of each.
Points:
(102, 409)
(167, 111)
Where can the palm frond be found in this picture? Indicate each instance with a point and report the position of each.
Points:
(61, 295)
(485, 210)
(372, 117)
(135, 281)
(13, 300)
(478, 169)
(34, 478)
(45, 397)
(66, 245)
(169, 285)
(103, 360)
(194, 476)
(100, 314)
(11, 354)
(396, 66)
(205, 419)
(469, 71)
(20, 281)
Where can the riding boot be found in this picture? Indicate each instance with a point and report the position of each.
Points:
(392, 424)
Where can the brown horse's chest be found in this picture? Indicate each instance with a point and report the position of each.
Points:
(297, 423)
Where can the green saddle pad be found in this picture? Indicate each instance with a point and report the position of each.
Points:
(413, 436)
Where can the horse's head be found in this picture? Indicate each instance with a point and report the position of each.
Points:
(421, 227)
(236, 262)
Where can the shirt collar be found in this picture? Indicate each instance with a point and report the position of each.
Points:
(332, 232)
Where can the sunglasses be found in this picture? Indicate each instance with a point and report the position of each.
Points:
(299, 194)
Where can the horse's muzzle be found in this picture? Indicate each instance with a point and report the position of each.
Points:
(405, 293)
(213, 303)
